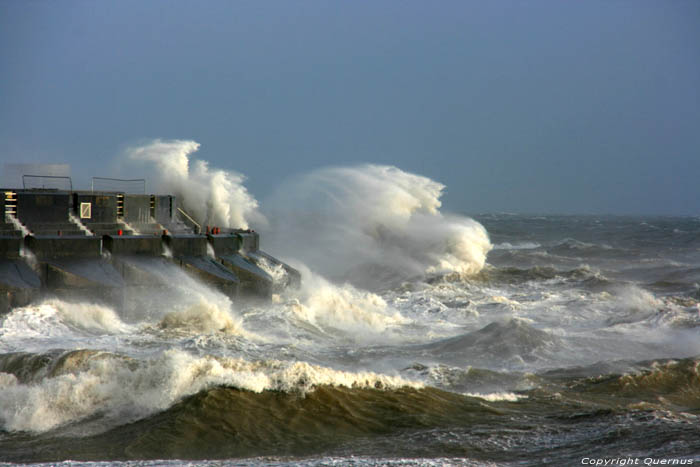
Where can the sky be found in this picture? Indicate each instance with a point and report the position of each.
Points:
(515, 106)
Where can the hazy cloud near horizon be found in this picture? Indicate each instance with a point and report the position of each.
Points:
(542, 106)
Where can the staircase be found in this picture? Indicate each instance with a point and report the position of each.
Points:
(120, 206)
(10, 204)
(9, 225)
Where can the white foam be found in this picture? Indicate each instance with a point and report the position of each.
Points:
(505, 301)
(179, 301)
(276, 271)
(210, 251)
(634, 298)
(29, 257)
(7, 380)
(517, 246)
(54, 318)
(202, 317)
(497, 396)
(89, 316)
(359, 314)
(167, 252)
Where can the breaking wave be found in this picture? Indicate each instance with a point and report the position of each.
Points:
(373, 225)
(355, 313)
(82, 384)
(54, 318)
(202, 317)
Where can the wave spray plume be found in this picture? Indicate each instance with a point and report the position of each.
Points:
(372, 225)
(211, 196)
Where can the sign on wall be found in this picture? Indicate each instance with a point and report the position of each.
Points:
(85, 210)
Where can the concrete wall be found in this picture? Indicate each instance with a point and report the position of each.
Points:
(225, 244)
(254, 281)
(10, 246)
(103, 207)
(19, 285)
(212, 273)
(250, 241)
(133, 245)
(80, 273)
(165, 208)
(63, 247)
(73, 264)
(137, 208)
(44, 207)
(11, 298)
(17, 274)
(186, 245)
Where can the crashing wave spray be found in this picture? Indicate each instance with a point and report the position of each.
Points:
(373, 225)
(343, 310)
(190, 306)
(211, 196)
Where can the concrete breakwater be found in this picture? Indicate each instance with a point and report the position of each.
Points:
(106, 246)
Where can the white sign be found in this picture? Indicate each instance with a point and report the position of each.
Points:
(85, 210)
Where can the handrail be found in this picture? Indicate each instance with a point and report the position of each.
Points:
(125, 181)
(189, 218)
(54, 177)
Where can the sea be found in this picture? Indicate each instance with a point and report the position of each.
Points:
(417, 338)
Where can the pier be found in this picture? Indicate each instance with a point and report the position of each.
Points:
(101, 246)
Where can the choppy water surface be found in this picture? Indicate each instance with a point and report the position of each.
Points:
(579, 337)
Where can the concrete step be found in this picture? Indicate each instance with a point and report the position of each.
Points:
(100, 228)
(147, 229)
(54, 229)
(178, 228)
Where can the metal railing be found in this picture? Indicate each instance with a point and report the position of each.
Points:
(134, 186)
(42, 181)
(197, 228)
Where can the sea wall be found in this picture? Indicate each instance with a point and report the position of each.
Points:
(91, 244)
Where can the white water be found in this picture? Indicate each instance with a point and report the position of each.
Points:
(344, 311)
(123, 389)
(202, 318)
(29, 257)
(120, 380)
(212, 196)
(372, 225)
(497, 396)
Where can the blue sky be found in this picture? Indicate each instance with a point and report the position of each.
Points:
(517, 106)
